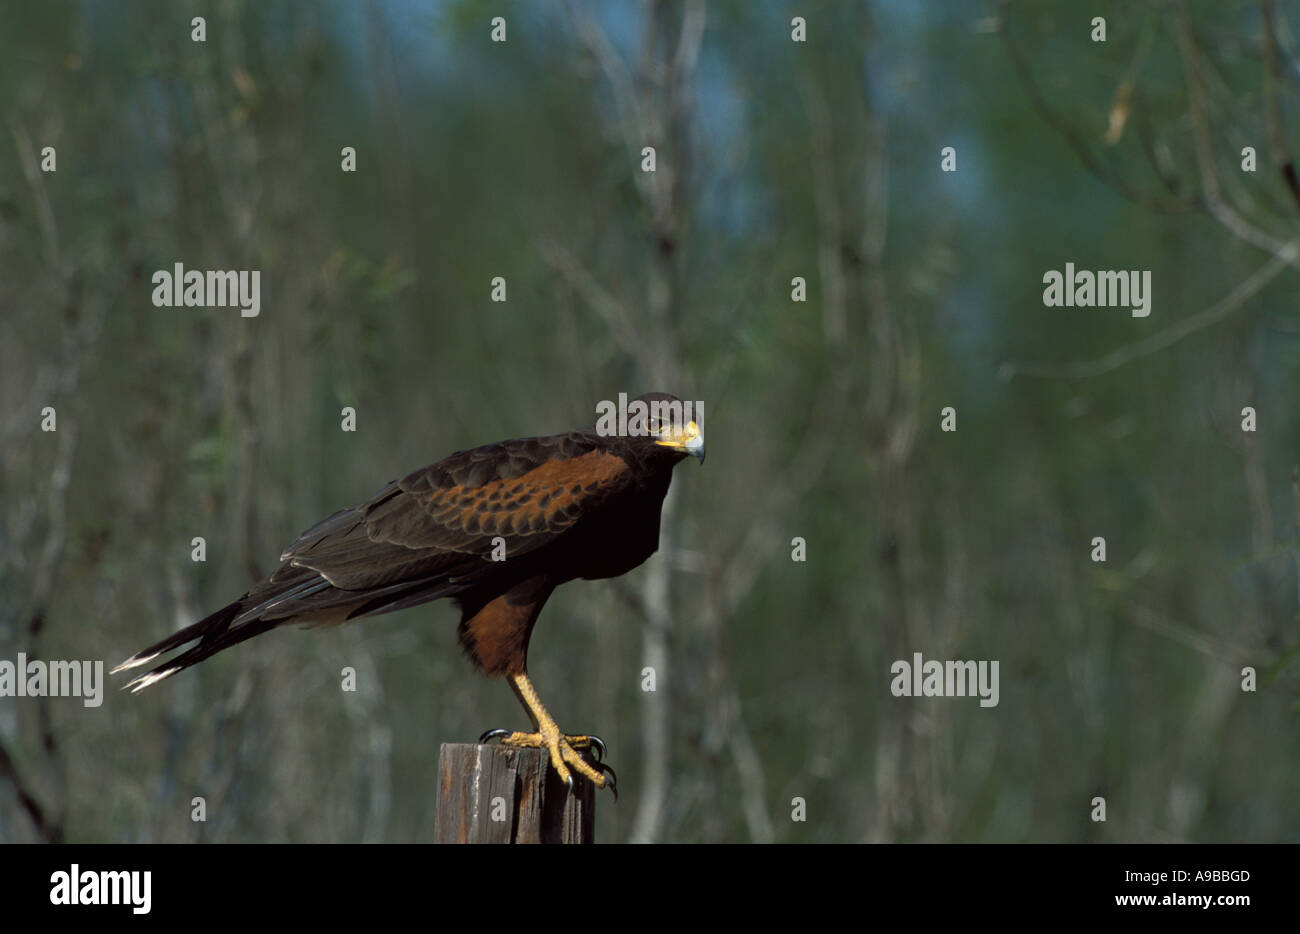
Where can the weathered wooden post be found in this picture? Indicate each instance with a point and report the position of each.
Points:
(500, 794)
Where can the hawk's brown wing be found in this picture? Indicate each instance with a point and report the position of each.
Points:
(448, 517)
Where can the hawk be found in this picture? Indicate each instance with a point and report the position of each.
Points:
(497, 529)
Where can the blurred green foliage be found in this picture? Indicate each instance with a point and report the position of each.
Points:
(776, 159)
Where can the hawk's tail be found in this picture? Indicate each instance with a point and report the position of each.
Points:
(214, 633)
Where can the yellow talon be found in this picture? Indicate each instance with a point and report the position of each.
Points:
(563, 749)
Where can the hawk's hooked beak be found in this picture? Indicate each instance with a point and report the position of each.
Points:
(689, 439)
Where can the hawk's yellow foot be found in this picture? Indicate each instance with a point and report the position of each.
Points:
(564, 753)
(563, 749)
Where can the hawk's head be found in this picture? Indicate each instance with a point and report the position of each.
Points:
(666, 424)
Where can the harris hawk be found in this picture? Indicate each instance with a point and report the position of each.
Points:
(497, 529)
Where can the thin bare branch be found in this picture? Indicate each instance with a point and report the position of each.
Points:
(616, 315)
(1082, 151)
(46, 827)
(1215, 203)
(32, 173)
(597, 43)
(1272, 109)
(1233, 301)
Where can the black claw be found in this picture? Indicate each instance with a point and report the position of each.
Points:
(598, 748)
(612, 780)
(568, 780)
(493, 734)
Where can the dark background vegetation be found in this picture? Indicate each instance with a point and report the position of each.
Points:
(775, 160)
